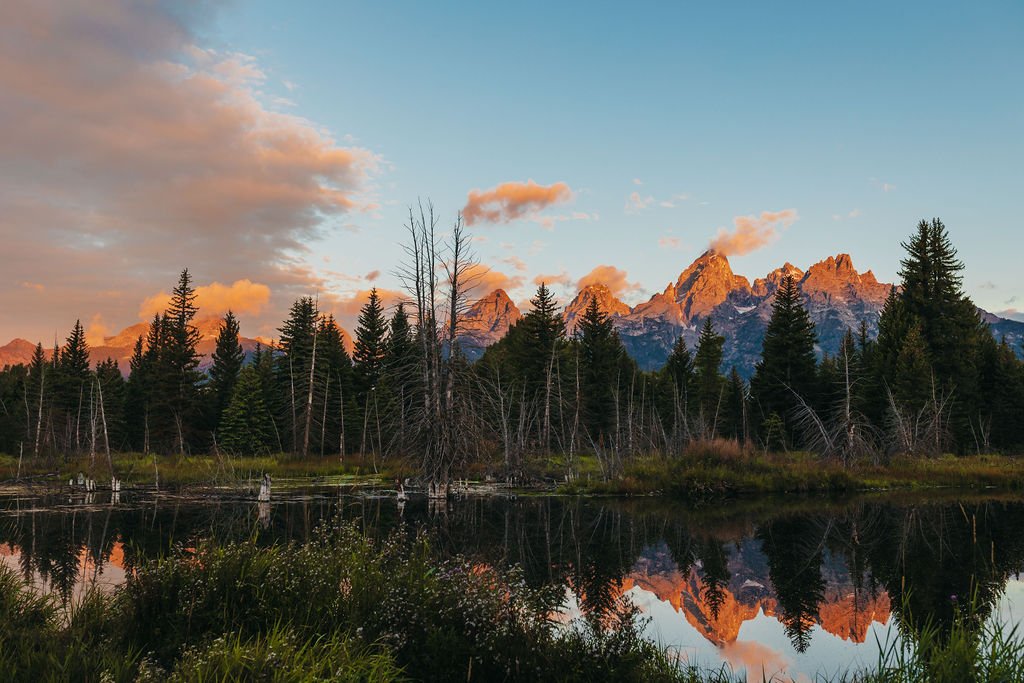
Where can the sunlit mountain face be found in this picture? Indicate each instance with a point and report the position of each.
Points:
(790, 584)
(838, 298)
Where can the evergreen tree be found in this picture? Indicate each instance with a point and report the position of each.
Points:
(542, 337)
(39, 385)
(113, 386)
(912, 377)
(176, 371)
(293, 366)
(601, 357)
(734, 425)
(371, 344)
(710, 383)
(228, 358)
(787, 364)
(71, 388)
(932, 294)
(246, 427)
(679, 369)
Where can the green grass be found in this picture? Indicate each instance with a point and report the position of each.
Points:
(710, 470)
(136, 469)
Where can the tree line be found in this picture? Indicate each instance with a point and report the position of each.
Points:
(933, 380)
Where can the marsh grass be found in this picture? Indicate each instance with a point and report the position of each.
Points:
(720, 467)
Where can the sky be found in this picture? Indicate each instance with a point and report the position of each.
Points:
(275, 148)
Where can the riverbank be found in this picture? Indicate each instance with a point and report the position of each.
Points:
(714, 472)
(705, 471)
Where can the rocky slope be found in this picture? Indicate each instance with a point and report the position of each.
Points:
(487, 321)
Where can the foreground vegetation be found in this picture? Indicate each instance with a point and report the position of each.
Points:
(342, 607)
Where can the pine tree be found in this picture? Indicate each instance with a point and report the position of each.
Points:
(735, 407)
(710, 384)
(246, 428)
(39, 385)
(371, 342)
(542, 336)
(601, 357)
(912, 376)
(71, 387)
(679, 369)
(787, 367)
(293, 366)
(111, 381)
(176, 371)
(228, 358)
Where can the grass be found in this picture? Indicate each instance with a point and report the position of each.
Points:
(136, 469)
(718, 468)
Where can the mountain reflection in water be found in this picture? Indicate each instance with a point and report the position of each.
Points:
(795, 585)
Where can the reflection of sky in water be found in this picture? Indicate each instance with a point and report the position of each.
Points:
(665, 575)
(763, 646)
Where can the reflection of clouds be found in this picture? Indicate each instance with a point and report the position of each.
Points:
(760, 661)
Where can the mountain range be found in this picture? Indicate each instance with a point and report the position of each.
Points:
(836, 295)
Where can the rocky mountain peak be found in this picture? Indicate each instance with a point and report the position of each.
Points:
(706, 283)
(491, 315)
(835, 278)
(607, 302)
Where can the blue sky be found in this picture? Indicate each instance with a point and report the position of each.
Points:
(861, 118)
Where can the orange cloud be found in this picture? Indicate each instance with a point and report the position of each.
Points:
(510, 201)
(96, 332)
(752, 232)
(613, 278)
(483, 280)
(241, 296)
(562, 278)
(758, 660)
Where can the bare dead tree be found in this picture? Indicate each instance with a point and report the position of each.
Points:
(441, 422)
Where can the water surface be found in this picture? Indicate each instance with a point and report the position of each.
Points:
(780, 585)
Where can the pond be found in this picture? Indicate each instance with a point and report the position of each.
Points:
(780, 585)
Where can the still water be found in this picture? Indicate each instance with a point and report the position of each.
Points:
(791, 586)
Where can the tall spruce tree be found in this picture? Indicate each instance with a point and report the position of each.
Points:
(177, 369)
(293, 367)
(370, 344)
(952, 331)
(228, 358)
(710, 383)
(787, 364)
(72, 388)
(601, 357)
(246, 428)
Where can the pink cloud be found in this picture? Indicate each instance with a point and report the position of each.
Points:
(615, 279)
(752, 232)
(513, 200)
(129, 151)
(242, 297)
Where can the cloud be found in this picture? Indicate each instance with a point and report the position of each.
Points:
(483, 280)
(563, 279)
(637, 181)
(635, 202)
(514, 200)
(670, 242)
(883, 186)
(372, 275)
(752, 232)
(611, 277)
(242, 297)
(129, 150)
(33, 286)
(96, 331)
(516, 262)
